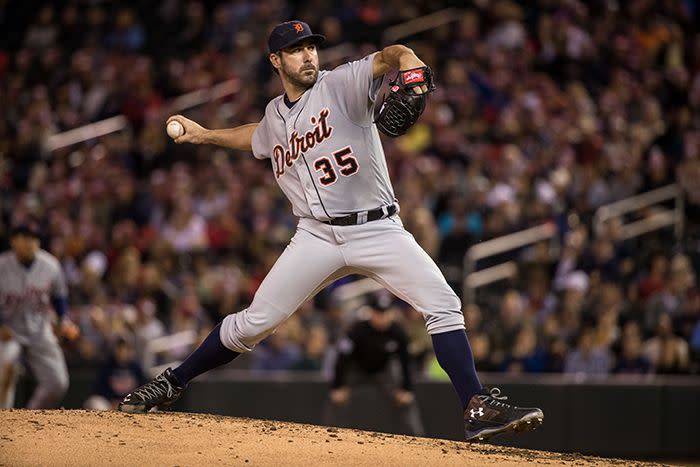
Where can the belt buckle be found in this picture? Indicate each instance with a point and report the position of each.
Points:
(362, 217)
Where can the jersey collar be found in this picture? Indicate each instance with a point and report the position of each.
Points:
(289, 103)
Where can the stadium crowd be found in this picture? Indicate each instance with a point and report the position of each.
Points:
(545, 111)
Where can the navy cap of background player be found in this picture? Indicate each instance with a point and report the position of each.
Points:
(28, 228)
(287, 34)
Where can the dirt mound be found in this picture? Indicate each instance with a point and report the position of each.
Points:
(77, 437)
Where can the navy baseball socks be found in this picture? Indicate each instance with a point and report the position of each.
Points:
(454, 355)
(209, 355)
(167, 387)
(485, 412)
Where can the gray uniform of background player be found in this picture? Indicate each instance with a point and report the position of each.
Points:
(25, 304)
(335, 116)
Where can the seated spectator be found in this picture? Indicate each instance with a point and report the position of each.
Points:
(315, 350)
(277, 352)
(586, 359)
(555, 355)
(655, 279)
(478, 338)
(526, 356)
(504, 330)
(186, 230)
(667, 352)
(631, 359)
(672, 299)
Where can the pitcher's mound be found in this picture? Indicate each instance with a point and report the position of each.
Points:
(77, 437)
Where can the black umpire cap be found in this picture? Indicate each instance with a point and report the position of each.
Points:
(379, 301)
(289, 33)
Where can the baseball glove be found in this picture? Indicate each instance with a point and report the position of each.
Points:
(402, 107)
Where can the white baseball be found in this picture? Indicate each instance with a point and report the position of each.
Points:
(175, 129)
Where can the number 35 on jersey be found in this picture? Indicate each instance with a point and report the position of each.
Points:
(328, 167)
(346, 164)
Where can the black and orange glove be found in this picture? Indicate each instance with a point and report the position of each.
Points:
(403, 106)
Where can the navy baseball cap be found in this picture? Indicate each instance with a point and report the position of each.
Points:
(28, 228)
(289, 33)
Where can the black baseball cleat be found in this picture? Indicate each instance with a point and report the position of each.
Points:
(487, 415)
(162, 391)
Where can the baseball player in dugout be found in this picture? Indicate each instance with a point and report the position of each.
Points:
(367, 356)
(31, 281)
(322, 140)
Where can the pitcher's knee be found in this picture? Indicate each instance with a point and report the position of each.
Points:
(444, 321)
(242, 331)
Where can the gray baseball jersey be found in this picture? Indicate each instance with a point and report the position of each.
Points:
(25, 293)
(325, 151)
(327, 158)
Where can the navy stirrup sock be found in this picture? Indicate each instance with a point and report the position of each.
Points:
(454, 355)
(210, 354)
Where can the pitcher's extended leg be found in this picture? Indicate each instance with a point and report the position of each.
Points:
(394, 258)
(308, 261)
(305, 263)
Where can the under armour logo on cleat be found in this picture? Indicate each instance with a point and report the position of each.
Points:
(473, 413)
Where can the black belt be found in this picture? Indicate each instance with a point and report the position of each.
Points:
(357, 218)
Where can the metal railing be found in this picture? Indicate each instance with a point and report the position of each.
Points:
(120, 122)
(474, 279)
(177, 105)
(424, 23)
(661, 218)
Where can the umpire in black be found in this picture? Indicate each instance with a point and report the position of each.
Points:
(375, 353)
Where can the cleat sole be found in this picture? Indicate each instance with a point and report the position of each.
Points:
(526, 423)
(132, 408)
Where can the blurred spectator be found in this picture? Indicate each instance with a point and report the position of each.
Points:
(278, 351)
(185, 230)
(525, 356)
(631, 359)
(586, 359)
(315, 350)
(655, 278)
(667, 352)
(504, 331)
(479, 340)
(681, 278)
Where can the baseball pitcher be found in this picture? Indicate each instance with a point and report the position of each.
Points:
(321, 138)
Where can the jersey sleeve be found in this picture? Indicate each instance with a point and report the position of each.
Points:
(259, 141)
(58, 286)
(356, 90)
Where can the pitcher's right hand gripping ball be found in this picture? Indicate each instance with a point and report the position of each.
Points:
(402, 107)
